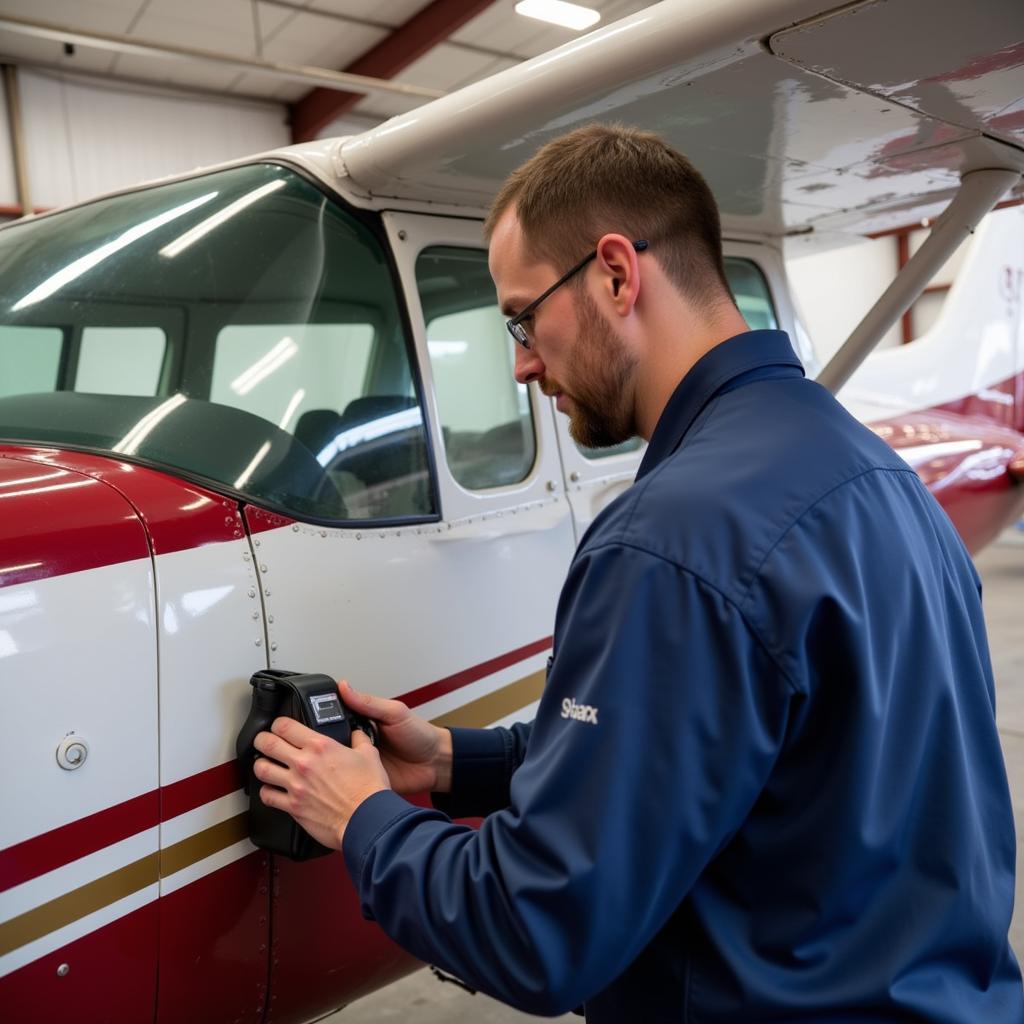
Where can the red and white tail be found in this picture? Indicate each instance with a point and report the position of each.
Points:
(972, 359)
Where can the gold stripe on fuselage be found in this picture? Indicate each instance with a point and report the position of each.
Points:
(102, 892)
(495, 705)
(87, 899)
(203, 844)
(93, 896)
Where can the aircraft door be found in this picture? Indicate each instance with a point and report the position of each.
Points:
(80, 810)
(595, 477)
(440, 587)
(214, 884)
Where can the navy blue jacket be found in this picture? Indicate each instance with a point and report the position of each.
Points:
(764, 782)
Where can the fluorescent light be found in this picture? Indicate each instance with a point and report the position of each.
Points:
(292, 406)
(918, 453)
(558, 12)
(440, 349)
(85, 263)
(129, 444)
(251, 468)
(46, 489)
(264, 367)
(206, 226)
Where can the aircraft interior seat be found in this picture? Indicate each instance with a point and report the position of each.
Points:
(380, 476)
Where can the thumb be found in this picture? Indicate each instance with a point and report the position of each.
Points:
(360, 739)
(357, 701)
(388, 712)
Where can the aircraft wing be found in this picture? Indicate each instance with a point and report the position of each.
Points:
(803, 117)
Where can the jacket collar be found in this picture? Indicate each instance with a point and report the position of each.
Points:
(715, 371)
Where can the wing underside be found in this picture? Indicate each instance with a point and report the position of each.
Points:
(853, 120)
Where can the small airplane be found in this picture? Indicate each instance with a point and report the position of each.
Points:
(261, 416)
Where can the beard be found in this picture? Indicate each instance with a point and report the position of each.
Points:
(602, 392)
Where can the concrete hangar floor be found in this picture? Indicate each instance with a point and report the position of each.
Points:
(421, 999)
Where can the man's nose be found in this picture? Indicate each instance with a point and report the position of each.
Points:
(529, 366)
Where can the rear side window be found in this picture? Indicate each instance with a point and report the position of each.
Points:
(29, 359)
(485, 415)
(120, 360)
(750, 290)
(241, 328)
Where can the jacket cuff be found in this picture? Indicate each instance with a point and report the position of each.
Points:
(371, 819)
(481, 774)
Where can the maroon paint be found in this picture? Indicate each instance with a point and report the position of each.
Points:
(259, 520)
(111, 977)
(178, 516)
(55, 521)
(214, 938)
(59, 846)
(69, 842)
(978, 488)
(196, 790)
(984, 410)
(324, 953)
(470, 675)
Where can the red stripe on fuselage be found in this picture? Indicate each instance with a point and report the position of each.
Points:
(60, 846)
(188, 794)
(260, 520)
(177, 515)
(470, 675)
(54, 520)
(66, 843)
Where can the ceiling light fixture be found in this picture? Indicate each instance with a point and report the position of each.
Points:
(558, 12)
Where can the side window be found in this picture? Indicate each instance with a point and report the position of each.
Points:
(326, 385)
(29, 359)
(485, 415)
(616, 449)
(241, 327)
(283, 371)
(750, 291)
(120, 360)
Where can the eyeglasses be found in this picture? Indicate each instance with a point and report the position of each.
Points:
(515, 325)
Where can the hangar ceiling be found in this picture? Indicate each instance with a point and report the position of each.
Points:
(436, 44)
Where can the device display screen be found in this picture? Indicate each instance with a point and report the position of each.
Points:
(326, 708)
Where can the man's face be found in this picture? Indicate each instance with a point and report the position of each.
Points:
(576, 356)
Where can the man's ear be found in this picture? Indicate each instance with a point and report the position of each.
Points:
(620, 271)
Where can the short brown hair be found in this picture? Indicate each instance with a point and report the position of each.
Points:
(605, 177)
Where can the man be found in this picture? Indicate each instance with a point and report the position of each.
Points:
(764, 782)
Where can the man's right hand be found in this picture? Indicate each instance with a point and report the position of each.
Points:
(416, 754)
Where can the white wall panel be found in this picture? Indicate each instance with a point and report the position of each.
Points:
(835, 290)
(87, 137)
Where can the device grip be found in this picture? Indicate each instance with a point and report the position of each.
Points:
(313, 700)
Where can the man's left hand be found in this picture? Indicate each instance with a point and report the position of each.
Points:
(318, 782)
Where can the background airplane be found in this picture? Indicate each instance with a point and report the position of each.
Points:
(262, 417)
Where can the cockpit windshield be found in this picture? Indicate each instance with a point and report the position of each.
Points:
(240, 327)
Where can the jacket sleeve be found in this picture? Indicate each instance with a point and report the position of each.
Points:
(660, 722)
(483, 761)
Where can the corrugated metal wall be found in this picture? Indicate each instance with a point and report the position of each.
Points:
(84, 137)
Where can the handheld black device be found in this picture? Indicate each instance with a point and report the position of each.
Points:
(313, 700)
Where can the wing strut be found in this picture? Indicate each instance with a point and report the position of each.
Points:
(979, 192)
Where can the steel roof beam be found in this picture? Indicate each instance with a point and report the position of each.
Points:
(168, 51)
(410, 41)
